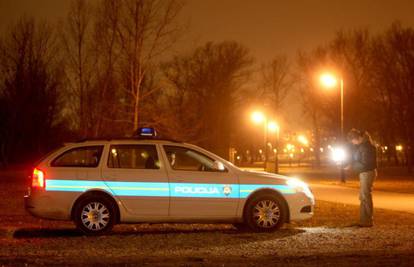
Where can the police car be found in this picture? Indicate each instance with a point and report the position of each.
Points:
(98, 184)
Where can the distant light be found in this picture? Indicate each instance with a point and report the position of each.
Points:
(321, 149)
(274, 150)
(290, 147)
(328, 80)
(399, 147)
(238, 157)
(291, 155)
(303, 140)
(302, 150)
(273, 127)
(338, 154)
(258, 117)
(260, 151)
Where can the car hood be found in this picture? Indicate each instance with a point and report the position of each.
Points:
(264, 177)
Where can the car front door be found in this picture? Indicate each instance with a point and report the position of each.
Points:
(200, 187)
(135, 176)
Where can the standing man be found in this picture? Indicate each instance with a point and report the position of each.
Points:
(364, 162)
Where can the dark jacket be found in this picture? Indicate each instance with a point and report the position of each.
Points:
(364, 157)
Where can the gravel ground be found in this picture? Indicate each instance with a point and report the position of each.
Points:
(325, 240)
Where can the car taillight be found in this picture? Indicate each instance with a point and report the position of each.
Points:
(38, 178)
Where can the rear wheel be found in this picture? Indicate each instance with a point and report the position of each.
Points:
(94, 215)
(265, 213)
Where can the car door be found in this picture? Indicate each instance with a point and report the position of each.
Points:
(135, 176)
(200, 186)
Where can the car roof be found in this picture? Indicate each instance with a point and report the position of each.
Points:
(124, 141)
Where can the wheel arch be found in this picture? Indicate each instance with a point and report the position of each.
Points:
(262, 191)
(97, 193)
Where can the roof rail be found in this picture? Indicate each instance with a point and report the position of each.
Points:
(127, 138)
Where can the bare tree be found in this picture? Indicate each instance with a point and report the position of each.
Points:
(203, 92)
(77, 44)
(276, 82)
(313, 100)
(30, 83)
(394, 72)
(106, 75)
(146, 29)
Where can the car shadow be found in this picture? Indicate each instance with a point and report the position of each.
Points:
(45, 233)
(27, 233)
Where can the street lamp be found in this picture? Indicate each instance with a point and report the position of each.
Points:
(328, 80)
(259, 117)
(275, 128)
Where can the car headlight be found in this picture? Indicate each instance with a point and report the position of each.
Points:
(300, 186)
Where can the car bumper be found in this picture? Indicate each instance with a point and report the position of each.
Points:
(301, 206)
(43, 206)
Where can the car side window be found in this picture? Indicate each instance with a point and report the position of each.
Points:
(185, 159)
(133, 157)
(88, 156)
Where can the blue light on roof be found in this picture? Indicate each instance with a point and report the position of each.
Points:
(147, 131)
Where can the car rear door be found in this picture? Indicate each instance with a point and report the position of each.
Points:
(135, 176)
(198, 188)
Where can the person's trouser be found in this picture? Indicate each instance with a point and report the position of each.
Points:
(366, 210)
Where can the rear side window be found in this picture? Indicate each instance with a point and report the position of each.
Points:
(88, 156)
(133, 157)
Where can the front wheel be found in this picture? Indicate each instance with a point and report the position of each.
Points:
(94, 215)
(265, 213)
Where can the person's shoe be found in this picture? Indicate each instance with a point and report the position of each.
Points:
(361, 225)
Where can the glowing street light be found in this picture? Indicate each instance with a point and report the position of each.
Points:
(328, 80)
(273, 127)
(303, 140)
(258, 117)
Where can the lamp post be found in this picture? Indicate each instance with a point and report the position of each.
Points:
(329, 80)
(275, 128)
(259, 117)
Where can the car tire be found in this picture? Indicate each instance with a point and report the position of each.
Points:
(265, 213)
(95, 215)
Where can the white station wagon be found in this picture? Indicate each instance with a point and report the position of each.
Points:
(100, 183)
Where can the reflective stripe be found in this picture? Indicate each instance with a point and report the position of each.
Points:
(144, 189)
(247, 189)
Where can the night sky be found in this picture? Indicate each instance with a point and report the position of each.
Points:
(266, 27)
